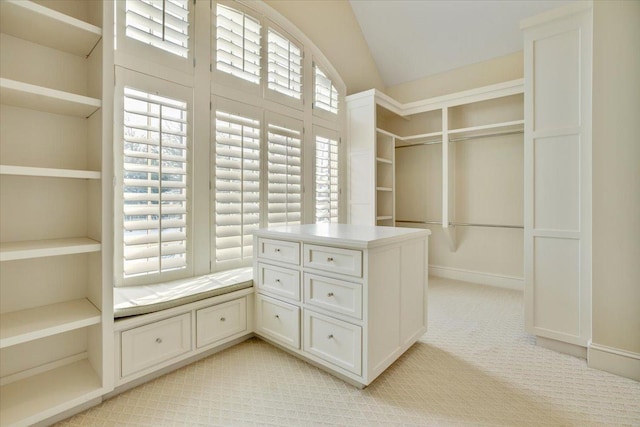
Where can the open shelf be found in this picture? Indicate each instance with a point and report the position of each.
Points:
(383, 217)
(40, 98)
(384, 189)
(39, 24)
(494, 128)
(48, 172)
(40, 396)
(382, 160)
(27, 325)
(11, 251)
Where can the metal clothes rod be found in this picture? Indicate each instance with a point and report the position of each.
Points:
(465, 138)
(465, 224)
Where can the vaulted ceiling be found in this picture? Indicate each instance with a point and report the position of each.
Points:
(411, 39)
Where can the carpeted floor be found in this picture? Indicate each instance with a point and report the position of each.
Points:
(475, 366)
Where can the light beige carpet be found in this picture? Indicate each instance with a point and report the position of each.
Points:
(475, 366)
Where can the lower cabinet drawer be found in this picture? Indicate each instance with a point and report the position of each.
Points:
(278, 320)
(335, 341)
(279, 281)
(220, 321)
(155, 343)
(333, 294)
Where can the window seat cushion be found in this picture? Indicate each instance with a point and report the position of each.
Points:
(135, 300)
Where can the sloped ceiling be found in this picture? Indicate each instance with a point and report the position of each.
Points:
(411, 39)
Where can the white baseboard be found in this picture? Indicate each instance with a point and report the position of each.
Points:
(480, 277)
(619, 362)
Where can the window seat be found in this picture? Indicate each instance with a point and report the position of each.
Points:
(136, 300)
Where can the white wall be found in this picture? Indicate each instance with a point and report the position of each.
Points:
(616, 175)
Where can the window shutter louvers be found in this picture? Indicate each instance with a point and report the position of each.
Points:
(160, 23)
(326, 180)
(284, 175)
(285, 65)
(325, 93)
(237, 187)
(155, 176)
(237, 44)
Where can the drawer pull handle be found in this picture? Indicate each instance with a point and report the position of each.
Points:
(222, 319)
(278, 281)
(330, 337)
(330, 259)
(277, 250)
(330, 294)
(277, 316)
(159, 340)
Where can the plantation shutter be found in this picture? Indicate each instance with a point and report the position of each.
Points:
(284, 65)
(284, 146)
(237, 44)
(237, 185)
(325, 93)
(160, 23)
(326, 177)
(155, 184)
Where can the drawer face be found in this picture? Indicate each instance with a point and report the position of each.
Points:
(279, 250)
(279, 281)
(332, 294)
(155, 343)
(220, 321)
(335, 341)
(337, 260)
(278, 320)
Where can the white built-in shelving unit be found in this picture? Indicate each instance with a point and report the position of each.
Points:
(376, 122)
(56, 310)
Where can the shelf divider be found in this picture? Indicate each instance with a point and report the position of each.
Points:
(11, 251)
(22, 326)
(48, 172)
(20, 94)
(39, 24)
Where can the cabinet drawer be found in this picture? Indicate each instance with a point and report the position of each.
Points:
(278, 320)
(220, 321)
(335, 341)
(343, 261)
(279, 281)
(155, 343)
(332, 294)
(279, 250)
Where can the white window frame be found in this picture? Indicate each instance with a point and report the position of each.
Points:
(223, 78)
(134, 49)
(271, 94)
(320, 112)
(333, 135)
(128, 78)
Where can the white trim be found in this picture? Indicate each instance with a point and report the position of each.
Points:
(27, 373)
(619, 362)
(556, 13)
(479, 277)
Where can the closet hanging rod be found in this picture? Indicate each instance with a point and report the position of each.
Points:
(465, 224)
(465, 138)
(418, 143)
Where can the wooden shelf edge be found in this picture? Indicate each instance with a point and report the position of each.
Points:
(384, 189)
(27, 325)
(383, 160)
(516, 124)
(383, 217)
(48, 172)
(11, 251)
(49, 393)
(42, 98)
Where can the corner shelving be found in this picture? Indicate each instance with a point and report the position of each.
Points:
(56, 320)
